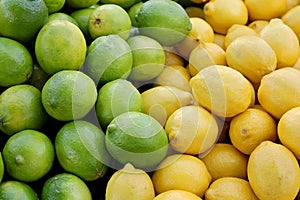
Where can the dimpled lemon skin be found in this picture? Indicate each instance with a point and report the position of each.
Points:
(273, 172)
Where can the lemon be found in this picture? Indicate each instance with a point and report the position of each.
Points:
(28, 155)
(248, 129)
(237, 30)
(161, 101)
(172, 57)
(265, 10)
(228, 188)
(258, 25)
(54, 5)
(291, 18)
(222, 14)
(225, 92)
(129, 183)
(177, 195)
(65, 186)
(288, 130)
(194, 11)
(204, 55)
(270, 95)
(219, 39)
(64, 43)
(12, 189)
(291, 4)
(191, 130)
(273, 172)
(181, 172)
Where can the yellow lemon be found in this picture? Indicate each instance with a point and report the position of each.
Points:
(237, 30)
(222, 14)
(204, 55)
(248, 129)
(273, 172)
(287, 40)
(222, 90)
(292, 19)
(172, 57)
(194, 11)
(258, 25)
(130, 183)
(191, 130)
(291, 4)
(224, 160)
(289, 130)
(177, 195)
(266, 9)
(219, 39)
(297, 64)
(279, 91)
(229, 188)
(252, 56)
(181, 172)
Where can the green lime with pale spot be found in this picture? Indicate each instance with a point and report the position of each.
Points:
(17, 190)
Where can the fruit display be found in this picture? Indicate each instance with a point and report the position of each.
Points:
(150, 99)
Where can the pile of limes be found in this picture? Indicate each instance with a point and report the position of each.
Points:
(150, 100)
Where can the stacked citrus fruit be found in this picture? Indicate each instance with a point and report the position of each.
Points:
(150, 100)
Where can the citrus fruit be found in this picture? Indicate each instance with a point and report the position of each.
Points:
(270, 95)
(54, 5)
(165, 20)
(64, 43)
(248, 129)
(177, 195)
(148, 58)
(219, 39)
(288, 39)
(191, 130)
(69, 95)
(116, 97)
(172, 57)
(81, 3)
(288, 130)
(228, 188)
(194, 11)
(13, 189)
(80, 150)
(273, 172)
(1, 168)
(258, 25)
(257, 60)
(21, 108)
(291, 18)
(129, 183)
(28, 155)
(123, 3)
(108, 58)
(181, 172)
(136, 138)
(65, 186)
(22, 19)
(132, 12)
(224, 160)
(16, 62)
(38, 77)
(161, 101)
(109, 19)
(225, 92)
(61, 16)
(222, 14)
(265, 10)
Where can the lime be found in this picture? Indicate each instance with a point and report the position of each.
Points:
(22, 19)
(136, 138)
(117, 97)
(109, 19)
(64, 43)
(163, 20)
(17, 190)
(148, 58)
(21, 108)
(28, 155)
(81, 3)
(1, 167)
(54, 5)
(132, 12)
(65, 186)
(108, 58)
(62, 16)
(80, 150)
(123, 3)
(15, 61)
(38, 77)
(69, 95)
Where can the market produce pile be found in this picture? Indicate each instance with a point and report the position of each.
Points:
(158, 99)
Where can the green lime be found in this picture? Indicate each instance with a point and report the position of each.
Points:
(21, 108)
(117, 97)
(109, 19)
(1, 167)
(38, 77)
(64, 43)
(81, 3)
(136, 138)
(15, 61)
(28, 155)
(62, 16)
(54, 5)
(132, 12)
(163, 20)
(65, 186)
(108, 58)
(123, 3)
(17, 190)
(80, 150)
(22, 19)
(69, 95)
(148, 58)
